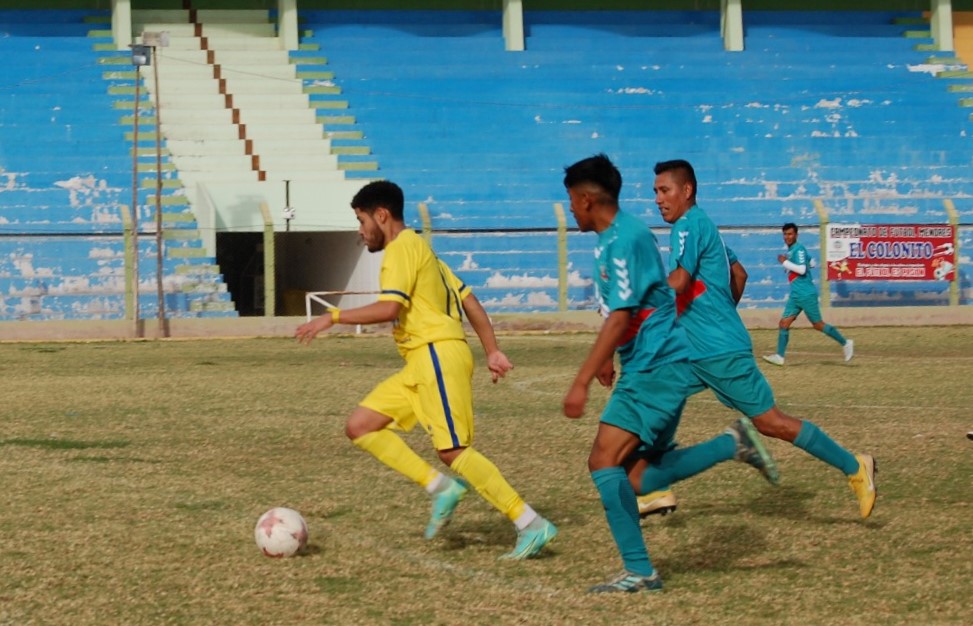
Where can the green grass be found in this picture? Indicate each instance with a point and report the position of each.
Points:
(133, 474)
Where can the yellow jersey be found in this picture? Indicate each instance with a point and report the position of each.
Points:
(430, 294)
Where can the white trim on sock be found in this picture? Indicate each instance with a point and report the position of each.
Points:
(437, 484)
(525, 518)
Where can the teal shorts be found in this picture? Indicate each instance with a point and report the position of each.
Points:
(809, 304)
(737, 382)
(649, 404)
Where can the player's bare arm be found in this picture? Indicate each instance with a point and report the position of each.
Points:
(738, 280)
(497, 361)
(612, 330)
(680, 280)
(374, 313)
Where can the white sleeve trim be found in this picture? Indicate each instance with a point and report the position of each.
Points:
(794, 267)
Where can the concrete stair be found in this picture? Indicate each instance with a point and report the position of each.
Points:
(234, 107)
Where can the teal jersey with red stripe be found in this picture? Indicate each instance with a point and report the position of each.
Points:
(802, 285)
(706, 309)
(630, 275)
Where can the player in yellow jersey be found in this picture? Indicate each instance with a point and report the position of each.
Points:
(426, 302)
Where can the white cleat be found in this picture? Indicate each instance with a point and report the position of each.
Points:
(777, 359)
(848, 349)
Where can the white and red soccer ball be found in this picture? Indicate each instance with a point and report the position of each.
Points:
(280, 532)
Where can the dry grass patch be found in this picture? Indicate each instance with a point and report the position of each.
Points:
(134, 472)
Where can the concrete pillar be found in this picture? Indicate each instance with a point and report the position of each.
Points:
(731, 24)
(941, 24)
(287, 24)
(121, 23)
(513, 25)
(963, 35)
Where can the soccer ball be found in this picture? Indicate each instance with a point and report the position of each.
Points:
(280, 532)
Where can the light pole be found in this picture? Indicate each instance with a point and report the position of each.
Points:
(153, 41)
(141, 55)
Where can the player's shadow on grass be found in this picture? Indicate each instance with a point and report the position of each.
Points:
(822, 362)
(458, 537)
(791, 503)
(723, 548)
(796, 504)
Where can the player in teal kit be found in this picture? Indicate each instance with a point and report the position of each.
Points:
(803, 297)
(721, 352)
(633, 451)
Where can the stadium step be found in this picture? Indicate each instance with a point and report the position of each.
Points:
(236, 106)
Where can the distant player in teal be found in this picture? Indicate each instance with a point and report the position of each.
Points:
(633, 451)
(804, 297)
(721, 352)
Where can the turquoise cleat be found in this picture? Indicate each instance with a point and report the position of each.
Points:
(751, 449)
(531, 540)
(444, 504)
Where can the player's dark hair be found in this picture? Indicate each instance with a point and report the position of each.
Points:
(681, 169)
(789, 226)
(380, 194)
(597, 170)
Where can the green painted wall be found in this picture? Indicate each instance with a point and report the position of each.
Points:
(711, 5)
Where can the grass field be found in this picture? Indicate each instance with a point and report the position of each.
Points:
(133, 474)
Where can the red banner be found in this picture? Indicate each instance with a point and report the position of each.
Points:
(891, 252)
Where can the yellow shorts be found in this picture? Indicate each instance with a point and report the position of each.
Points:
(434, 389)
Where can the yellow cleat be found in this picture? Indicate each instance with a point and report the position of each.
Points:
(863, 483)
(657, 503)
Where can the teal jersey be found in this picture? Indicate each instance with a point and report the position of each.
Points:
(630, 275)
(801, 285)
(731, 256)
(706, 308)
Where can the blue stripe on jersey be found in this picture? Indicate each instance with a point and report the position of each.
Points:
(442, 394)
(397, 293)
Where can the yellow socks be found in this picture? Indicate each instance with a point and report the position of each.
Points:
(480, 472)
(389, 448)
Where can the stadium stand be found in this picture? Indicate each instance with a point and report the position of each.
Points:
(845, 112)
(66, 184)
(836, 107)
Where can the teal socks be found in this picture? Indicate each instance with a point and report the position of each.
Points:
(682, 463)
(622, 513)
(783, 336)
(833, 332)
(815, 442)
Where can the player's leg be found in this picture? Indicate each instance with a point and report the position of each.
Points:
(813, 311)
(653, 472)
(534, 532)
(737, 382)
(370, 428)
(612, 445)
(860, 469)
(369, 431)
(642, 414)
(662, 500)
(740, 441)
(791, 311)
(746, 389)
(444, 392)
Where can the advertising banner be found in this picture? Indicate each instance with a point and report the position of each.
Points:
(891, 252)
